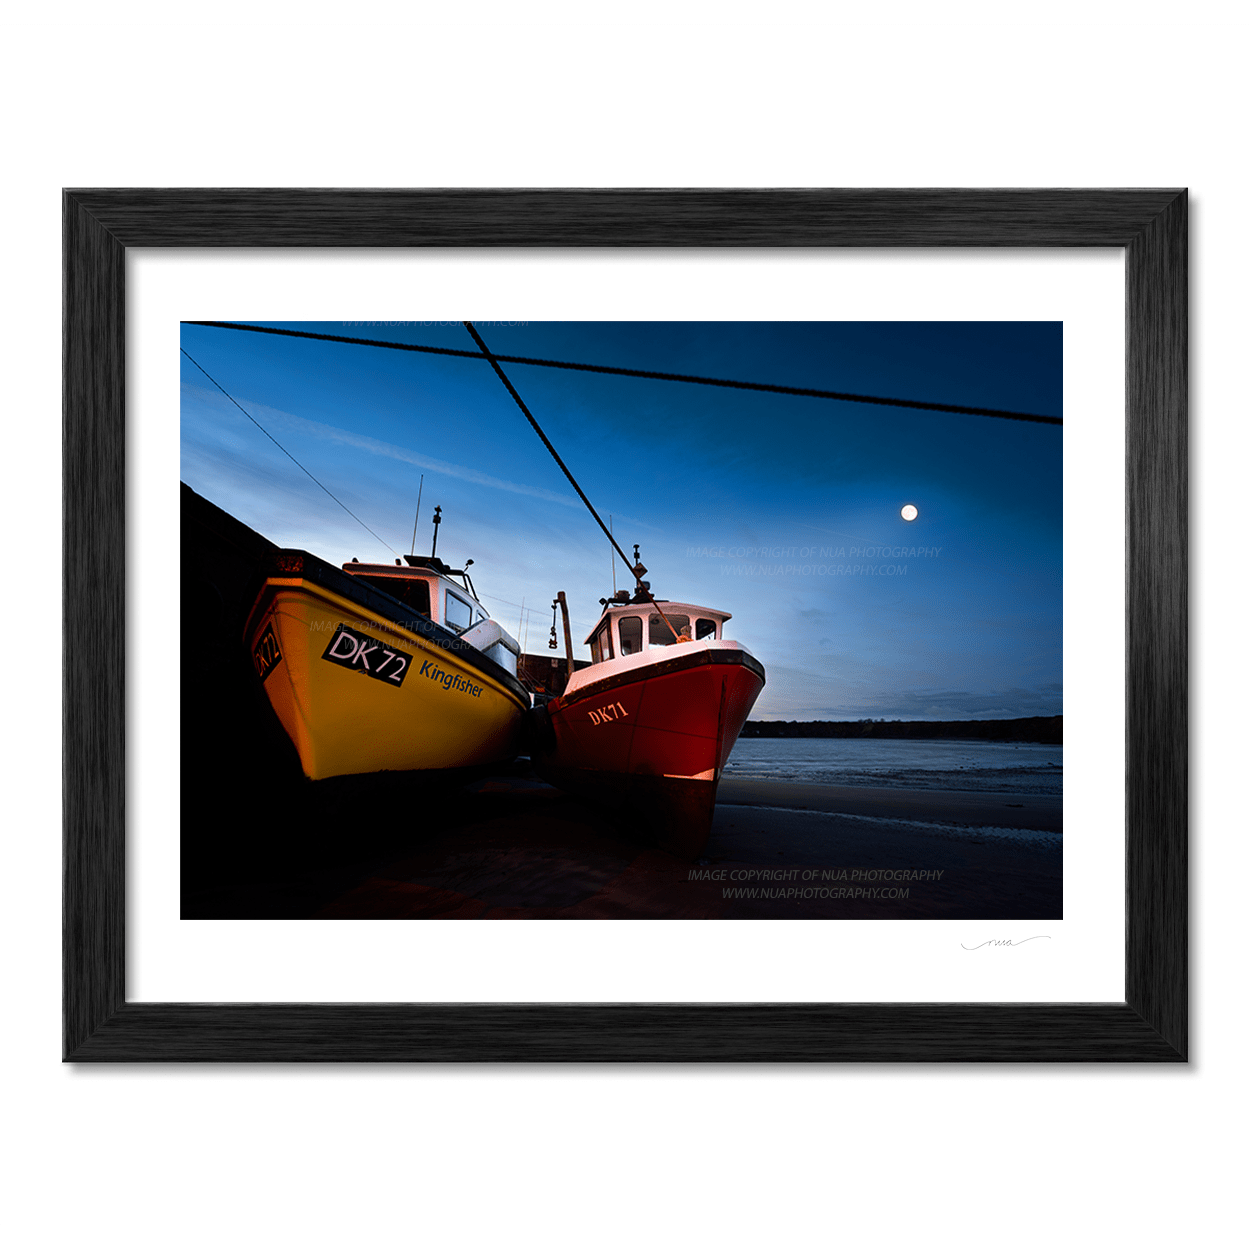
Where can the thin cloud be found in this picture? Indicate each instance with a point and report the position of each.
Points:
(376, 447)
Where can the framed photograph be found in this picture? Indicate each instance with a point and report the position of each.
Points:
(835, 693)
(624, 1022)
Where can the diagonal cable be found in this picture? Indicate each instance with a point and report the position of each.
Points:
(503, 377)
(282, 449)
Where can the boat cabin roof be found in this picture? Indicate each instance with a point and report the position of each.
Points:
(629, 628)
(668, 607)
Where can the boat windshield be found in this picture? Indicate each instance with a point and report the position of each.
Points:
(601, 645)
(659, 634)
(412, 592)
(459, 615)
(630, 630)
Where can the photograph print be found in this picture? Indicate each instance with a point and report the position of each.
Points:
(636, 620)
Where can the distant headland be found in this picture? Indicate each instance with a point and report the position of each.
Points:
(1048, 729)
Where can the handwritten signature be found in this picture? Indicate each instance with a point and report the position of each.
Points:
(1005, 942)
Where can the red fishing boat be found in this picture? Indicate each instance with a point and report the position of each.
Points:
(650, 722)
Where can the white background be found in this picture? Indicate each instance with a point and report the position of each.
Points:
(901, 95)
(1082, 960)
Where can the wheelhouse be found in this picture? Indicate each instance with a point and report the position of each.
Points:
(426, 587)
(630, 629)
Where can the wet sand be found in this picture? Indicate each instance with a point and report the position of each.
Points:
(511, 847)
(1042, 812)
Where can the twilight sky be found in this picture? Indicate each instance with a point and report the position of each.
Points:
(781, 510)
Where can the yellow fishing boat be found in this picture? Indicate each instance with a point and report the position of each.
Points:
(377, 667)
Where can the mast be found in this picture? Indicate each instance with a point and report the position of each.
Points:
(415, 519)
(568, 635)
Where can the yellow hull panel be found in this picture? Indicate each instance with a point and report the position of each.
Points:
(343, 720)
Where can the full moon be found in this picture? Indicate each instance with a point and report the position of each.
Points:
(910, 512)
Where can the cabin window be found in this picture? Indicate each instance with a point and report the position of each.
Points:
(703, 628)
(660, 635)
(601, 645)
(630, 630)
(459, 615)
(412, 592)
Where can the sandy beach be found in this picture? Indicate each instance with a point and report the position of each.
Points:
(512, 847)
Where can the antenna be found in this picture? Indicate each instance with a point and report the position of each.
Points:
(420, 488)
(438, 520)
(613, 554)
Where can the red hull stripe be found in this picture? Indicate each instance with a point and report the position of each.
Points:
(676, 664)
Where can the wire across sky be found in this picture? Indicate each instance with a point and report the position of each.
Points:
(729, 383)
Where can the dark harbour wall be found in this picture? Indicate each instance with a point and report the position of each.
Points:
(1047, 729)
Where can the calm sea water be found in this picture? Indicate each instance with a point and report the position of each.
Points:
(909, 764)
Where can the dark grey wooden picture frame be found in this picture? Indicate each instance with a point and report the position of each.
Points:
(100, 1025)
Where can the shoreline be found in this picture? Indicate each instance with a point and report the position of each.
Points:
(512, 847)
(1046, 730)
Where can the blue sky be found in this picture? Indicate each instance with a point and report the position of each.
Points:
(770, 507)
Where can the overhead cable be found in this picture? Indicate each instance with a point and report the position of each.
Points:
(733, 384)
